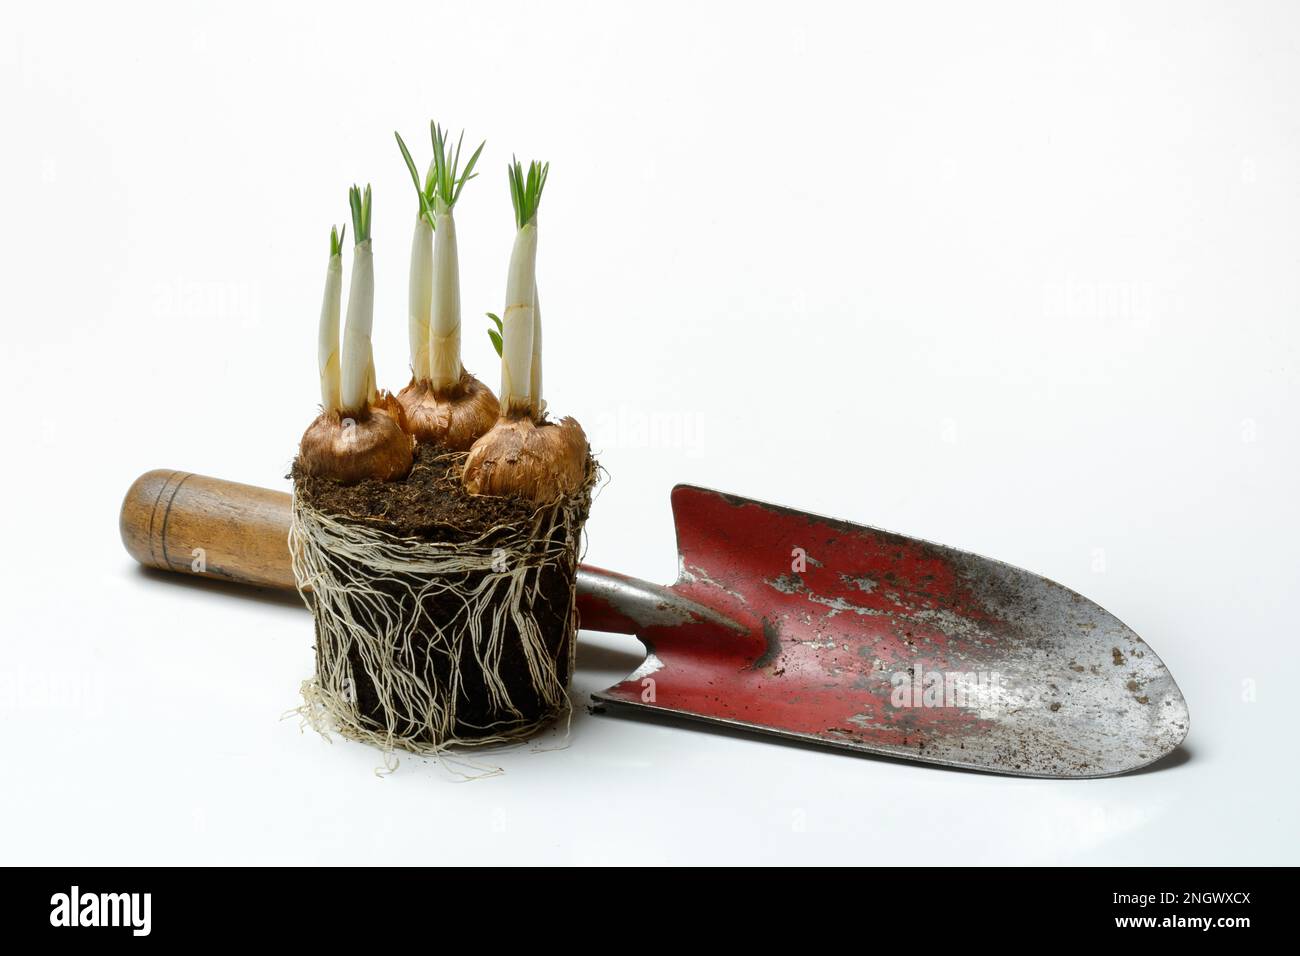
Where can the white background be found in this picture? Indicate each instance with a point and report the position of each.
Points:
(1018, 279)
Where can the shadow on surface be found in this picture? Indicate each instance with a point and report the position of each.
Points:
(271, 596)
(1175, 758)
(600, 657)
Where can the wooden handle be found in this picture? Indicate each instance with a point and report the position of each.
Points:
(180, 521)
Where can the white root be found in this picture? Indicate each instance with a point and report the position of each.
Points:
(358, 368)
(518, 323)
(327, 349)
(444, 329)
(419, 300)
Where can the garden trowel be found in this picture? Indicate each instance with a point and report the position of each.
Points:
(804, 627)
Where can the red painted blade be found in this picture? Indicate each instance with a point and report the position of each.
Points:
(863, 639)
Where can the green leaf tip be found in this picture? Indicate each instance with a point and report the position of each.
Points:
(495, 334)
(526, 189)
(360, 203)
(336, 240)
(446, 175)
(424, 190)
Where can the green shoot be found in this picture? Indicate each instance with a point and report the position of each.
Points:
(425, 191)
(495, 334)
(448, 180)
(526, 191)
(360, 204)
(336, 240)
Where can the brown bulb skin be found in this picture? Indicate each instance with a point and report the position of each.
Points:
(352, 448)
(520, 458)
(454, 419)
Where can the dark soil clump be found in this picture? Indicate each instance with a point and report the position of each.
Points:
(429, 503)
